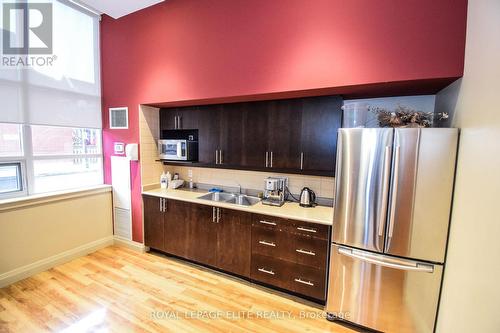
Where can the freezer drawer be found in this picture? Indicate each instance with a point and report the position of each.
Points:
(384, 293)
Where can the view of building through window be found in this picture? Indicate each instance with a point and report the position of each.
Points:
(60, 158)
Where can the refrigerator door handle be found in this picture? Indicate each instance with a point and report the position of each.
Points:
(401, 264)
(385, 190)
(394, 194)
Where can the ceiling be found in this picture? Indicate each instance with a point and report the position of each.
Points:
(118, 8)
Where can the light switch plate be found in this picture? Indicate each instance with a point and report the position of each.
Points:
(119, 148)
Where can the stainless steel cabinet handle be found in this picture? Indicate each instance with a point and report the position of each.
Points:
(179, 125)
(309, 283)
(266, 222)
(164, 205)
(213, 214)
(216, 156)
(394, 194)
(306, 229)
(271, 159)
(267, 243)
(266, 271)
(175, 123)
(301, 161)
(161, 204)
(220, 156)
(218, 215)
(267, 159)
(310, 253)
(385, 190)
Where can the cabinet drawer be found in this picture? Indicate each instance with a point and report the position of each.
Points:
(310, 251)
(308, 281)
(270, 222)
(272, 243)
(271, 271)
(320, 231)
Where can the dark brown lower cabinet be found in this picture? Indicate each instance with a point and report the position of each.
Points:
(291, 255)
(234, 241)
(202, 240)
(176, 219)
(153, 222)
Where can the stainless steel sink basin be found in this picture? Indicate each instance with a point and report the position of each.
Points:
(236, 199)
(243, 200)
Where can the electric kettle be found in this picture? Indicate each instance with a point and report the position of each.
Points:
(307, 198)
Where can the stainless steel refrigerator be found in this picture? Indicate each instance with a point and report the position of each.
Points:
(392, 210)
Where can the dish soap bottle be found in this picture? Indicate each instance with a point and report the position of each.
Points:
(163, 181)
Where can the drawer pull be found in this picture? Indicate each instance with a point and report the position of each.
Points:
(309, 283)
(306, 229)
(267, 243)
(265, 271)
(266, 222)
(310, 253)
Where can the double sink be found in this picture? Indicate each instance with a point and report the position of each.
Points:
(230, 198)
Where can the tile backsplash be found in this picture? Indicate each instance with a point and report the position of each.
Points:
(322, 186)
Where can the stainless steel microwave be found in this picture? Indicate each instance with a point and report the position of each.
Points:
(178, 150)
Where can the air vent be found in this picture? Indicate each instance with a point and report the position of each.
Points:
(118, 118)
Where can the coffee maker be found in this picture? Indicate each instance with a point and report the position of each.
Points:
(274, 194)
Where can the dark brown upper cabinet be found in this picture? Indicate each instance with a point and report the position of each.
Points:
(321, 118)
(284, 127)
(292, 135)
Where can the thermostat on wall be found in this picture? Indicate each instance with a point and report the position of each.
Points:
(119, 148)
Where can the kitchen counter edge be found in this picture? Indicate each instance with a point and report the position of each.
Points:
(319, 214)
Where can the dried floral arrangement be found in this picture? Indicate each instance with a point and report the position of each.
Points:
(404, 116)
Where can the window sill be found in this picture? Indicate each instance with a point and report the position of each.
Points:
(20, 202)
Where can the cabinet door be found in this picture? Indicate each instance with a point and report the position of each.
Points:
(168, 118)
(321, 118)
(255, 136)
(153, 222)
(231, 142)
(285, 119)
(176, 220)
(209, 128)
(202, 239)
(234, 242)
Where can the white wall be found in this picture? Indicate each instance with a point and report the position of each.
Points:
(471, 290)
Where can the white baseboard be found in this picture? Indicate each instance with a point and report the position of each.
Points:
(58, 259)
(136, 246)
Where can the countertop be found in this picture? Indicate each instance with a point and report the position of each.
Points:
(290, 210)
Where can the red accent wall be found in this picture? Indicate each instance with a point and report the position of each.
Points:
(182, 51)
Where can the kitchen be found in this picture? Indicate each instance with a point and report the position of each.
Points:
(235, 172)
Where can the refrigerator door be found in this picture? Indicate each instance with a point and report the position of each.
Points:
(421, 192)
(362, 187)
(384, 293)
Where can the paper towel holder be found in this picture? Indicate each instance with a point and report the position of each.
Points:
(132, 151)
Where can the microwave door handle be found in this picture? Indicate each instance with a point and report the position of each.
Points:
(179, 149)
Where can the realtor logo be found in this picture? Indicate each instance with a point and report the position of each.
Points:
(27, 28)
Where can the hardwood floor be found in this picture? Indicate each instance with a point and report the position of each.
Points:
(119, 290)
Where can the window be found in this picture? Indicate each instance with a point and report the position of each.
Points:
(11, 165)
(11, 180)
(10, 140)
(65, 157)
(50, 116)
